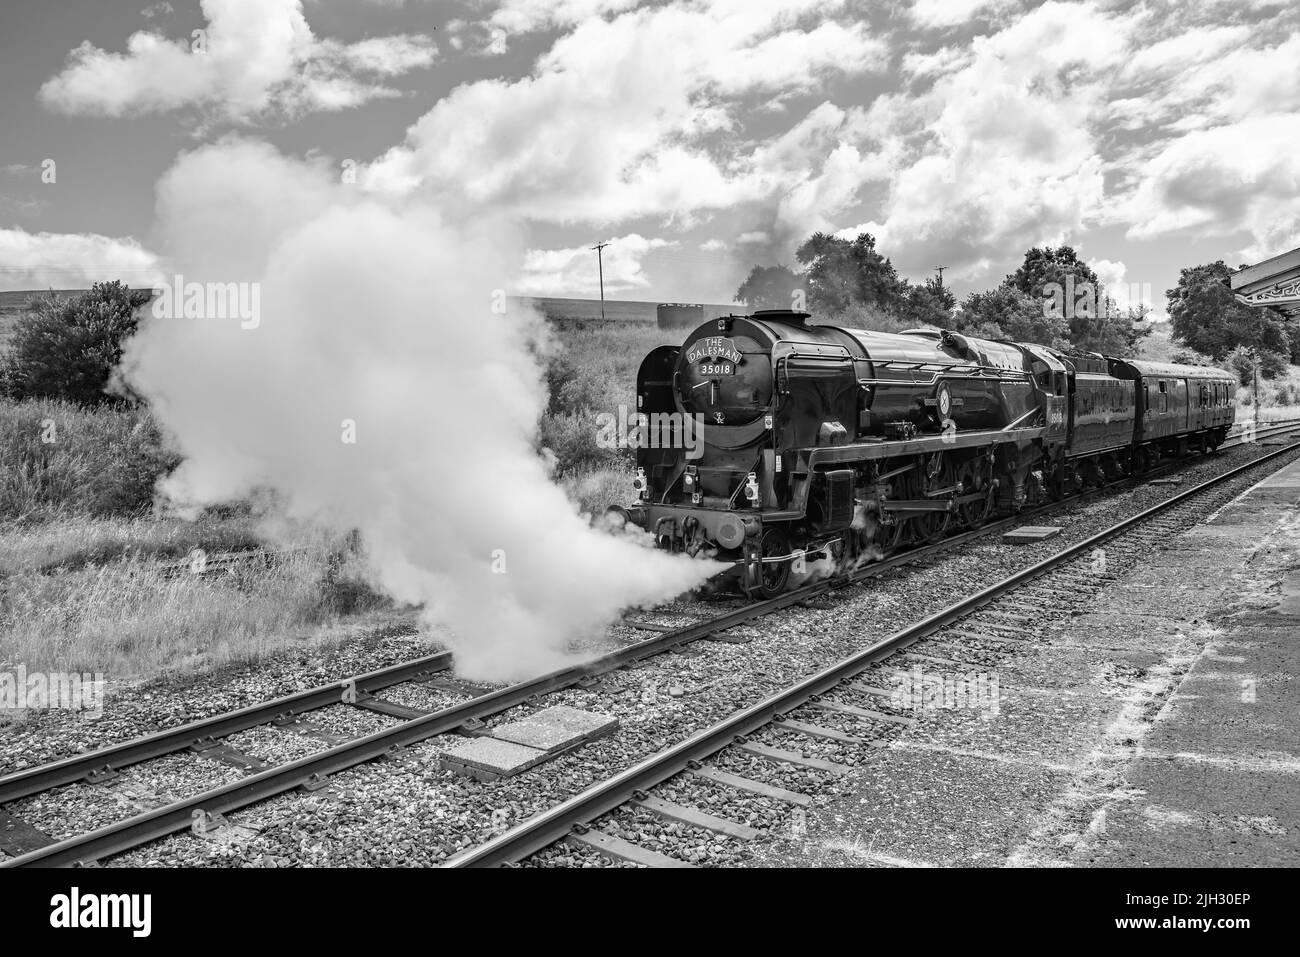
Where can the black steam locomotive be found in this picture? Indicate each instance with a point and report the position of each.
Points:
(773, 444)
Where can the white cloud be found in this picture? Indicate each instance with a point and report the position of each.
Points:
(999, 153)
(713, 245)
(257, 57)
(939, 14)
(1239, 177)
(528, 16)
(630, 117)
(573, 272)
(72, 260)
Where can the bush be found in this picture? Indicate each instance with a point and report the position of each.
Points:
(571, 437)
(59, 459)
(571, 390)
(68, 348)
(1190, 357)
(593, 492)
(1242, 360)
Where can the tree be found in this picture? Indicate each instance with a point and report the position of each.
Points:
(1244, 360)
(1048, 265)
(929, 304)
(841, 272)
(1293, 343)
(67, 348)
(1111, 332)
(769, 287)
(1014, 315)
(1205, 315)
(1069, 289)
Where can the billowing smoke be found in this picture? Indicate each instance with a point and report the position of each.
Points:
(378, 389)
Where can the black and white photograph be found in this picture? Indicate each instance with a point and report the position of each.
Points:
(848, 443)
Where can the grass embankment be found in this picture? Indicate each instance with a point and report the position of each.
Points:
(82, 550)
(83, 547)
(593, 373)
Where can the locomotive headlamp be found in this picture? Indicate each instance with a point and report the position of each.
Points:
(641, 485)
(691, 483)
(751, 488)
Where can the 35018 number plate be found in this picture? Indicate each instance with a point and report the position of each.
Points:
(717, 368)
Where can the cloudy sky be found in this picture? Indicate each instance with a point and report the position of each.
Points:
(698, 137)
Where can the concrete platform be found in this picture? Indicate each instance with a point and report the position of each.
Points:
(516, 746)
(487, 758)
(556, 729)
(1030, 533)
(1160, 728)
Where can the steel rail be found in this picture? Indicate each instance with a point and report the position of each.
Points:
(143, 828)
(546, 828)
(313, 769)
(71, 770)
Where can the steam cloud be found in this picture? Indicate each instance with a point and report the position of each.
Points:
(382, 315)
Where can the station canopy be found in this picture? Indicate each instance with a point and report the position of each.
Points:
(1273, 284)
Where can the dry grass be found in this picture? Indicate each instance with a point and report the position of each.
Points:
(81, 547)
(595, 373)
(127, 618)
(69, 542)
(81, 586)
(59, 460)
(1279, 399)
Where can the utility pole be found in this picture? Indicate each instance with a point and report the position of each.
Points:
(940, 270)
(1254, 372)
(600, 264)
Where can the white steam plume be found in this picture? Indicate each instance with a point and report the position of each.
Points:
(383, 316)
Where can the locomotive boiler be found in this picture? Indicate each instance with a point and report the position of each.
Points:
(790, 443)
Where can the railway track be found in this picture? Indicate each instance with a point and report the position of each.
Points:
(1007, 614)
(206, 736)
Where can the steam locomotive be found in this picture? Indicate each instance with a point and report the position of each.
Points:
(772, 443)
